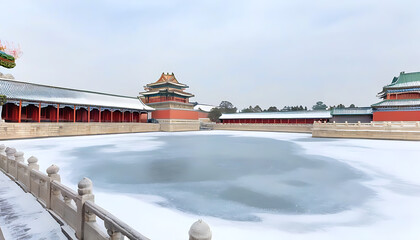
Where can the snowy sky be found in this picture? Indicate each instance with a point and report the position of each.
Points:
(266, 52)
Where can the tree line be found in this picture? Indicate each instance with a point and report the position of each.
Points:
(228, 107)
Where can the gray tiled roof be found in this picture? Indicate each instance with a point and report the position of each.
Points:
(352, 111)
(17, 90)
(399, 102)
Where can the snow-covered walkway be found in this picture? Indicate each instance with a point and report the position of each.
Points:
(22, 217)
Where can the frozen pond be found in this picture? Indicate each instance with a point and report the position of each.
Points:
(244, 184)
(232, 177)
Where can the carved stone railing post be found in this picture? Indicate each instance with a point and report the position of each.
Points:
(85, 194)
(18, 158)
(52, 172)
(10, 153)
(33, 163)
(200, 231)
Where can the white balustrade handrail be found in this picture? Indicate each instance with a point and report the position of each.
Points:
(115, 223)
(39, 175)
(65, 191)
(22, 165)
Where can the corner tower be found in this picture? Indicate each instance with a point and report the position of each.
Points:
(168, 97)
(401, 99)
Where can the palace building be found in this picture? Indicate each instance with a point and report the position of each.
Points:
(352, 115)
(292, 117)
(168, 98)
(29, 102)
(401, 99)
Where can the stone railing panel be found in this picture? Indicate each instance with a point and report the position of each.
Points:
(62, 199)
(40, 187)
(116, 228)
(12, 168)
(93, 231)
(23, 175)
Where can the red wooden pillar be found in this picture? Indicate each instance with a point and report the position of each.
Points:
(99, 114)
(74, 113)
(39, 113)
(88, 114)
(5, 107)
(58, 112)
(112, 113)
(20, 111)
(131, 116)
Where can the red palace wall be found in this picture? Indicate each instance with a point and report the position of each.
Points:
(175, 114)
(397, 116)
(274, 121)
(203, 115)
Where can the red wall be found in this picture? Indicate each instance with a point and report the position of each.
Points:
(397, 116)
(274, 121)
(203, 115)
(175, 114)
(143, 117)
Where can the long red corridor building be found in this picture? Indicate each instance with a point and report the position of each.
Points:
(29, 102)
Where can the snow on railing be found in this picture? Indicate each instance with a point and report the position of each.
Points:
(76, 210)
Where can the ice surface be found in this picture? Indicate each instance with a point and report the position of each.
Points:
(246, 185)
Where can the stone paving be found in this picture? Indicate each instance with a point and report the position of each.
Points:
(22, 216)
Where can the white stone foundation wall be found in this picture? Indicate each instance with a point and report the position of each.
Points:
(33, 130)
(373, 130)
(178, 125)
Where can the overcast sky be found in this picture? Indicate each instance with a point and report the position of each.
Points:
(248, 52)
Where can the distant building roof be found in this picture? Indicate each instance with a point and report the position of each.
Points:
(319, 114)
(204, 107)
(352, 111)
(404, 80)
(398, 103)
(167, 79)
(48, 94)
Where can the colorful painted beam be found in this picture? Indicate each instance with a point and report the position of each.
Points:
(6, 60)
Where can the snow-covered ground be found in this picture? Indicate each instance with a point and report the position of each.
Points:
(22, 217)
(389, 169)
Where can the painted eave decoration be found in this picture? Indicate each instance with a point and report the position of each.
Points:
(8, 55)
